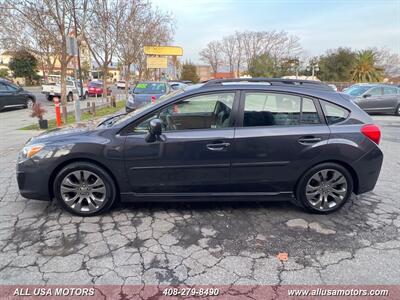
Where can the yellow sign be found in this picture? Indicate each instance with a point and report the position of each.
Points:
(156, 62)
(163, 50)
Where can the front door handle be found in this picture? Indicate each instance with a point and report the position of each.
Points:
(307, 140)
(217, 146)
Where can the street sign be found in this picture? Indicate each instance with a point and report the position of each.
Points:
(72, 46)
(163, 50)
(156, 62)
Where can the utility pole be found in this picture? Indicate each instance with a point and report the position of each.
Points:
(78, 105)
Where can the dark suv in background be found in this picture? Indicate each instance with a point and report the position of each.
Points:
(12, 95)
(376, 98)
(264, 139)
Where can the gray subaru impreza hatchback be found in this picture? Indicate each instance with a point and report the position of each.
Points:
(235, 139)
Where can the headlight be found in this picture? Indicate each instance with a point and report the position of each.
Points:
(130, 98)
(31, 150)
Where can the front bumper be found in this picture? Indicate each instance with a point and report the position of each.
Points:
(33, 180)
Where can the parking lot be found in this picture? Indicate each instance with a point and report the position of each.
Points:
(201, 243)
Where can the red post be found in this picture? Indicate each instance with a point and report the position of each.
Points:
(58, 113)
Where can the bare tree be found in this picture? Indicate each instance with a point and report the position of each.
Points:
(388, 61)
(242, 47)
(229, 51)
(142, 26)
(212, 55)
(41, 26)
(102, 33)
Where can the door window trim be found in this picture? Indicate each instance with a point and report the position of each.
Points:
(127, 130)
(240, 113)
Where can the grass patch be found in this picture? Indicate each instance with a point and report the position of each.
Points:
(85, 116)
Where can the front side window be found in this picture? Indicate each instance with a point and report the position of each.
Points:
(209, 111)
(272, 109)
(334, 113)
(375, 92)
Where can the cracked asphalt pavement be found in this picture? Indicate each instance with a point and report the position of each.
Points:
(202, 243)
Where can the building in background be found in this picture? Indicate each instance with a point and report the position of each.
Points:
(204, 72)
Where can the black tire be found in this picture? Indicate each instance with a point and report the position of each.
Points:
(397, 111)
(29, 103)
(70, 97)
(110, 188)
(304, 180)
(86, 96)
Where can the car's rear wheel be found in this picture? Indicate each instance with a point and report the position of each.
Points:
(84, 189)
(397, 112)
(325, 188)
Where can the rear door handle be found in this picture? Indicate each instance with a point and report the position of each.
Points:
(307, 140)
(217, 146)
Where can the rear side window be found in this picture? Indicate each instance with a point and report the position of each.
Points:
(390, 91)
(272, 109)
(334, 113)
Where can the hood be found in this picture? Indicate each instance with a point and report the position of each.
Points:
(64, 133)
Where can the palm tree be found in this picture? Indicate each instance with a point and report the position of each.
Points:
(365, 69)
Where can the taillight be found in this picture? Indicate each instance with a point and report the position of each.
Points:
(372, 132)
(153, 99)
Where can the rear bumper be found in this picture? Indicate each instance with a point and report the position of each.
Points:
(368, 168)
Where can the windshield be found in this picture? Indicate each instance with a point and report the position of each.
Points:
(357, 90)
(150, 88)
(127, 116)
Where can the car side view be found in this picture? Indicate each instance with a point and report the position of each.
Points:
(376, 98)
(232, 139)
(12, 95)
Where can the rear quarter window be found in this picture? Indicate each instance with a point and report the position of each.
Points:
(334, 113)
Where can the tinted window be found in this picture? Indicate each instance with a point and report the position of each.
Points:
(356, 90)
(269, 109)
(150, 88)
(309, 114)
(390, 91)
(334, 113)
(201, 112)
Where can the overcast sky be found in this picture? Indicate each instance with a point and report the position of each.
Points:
(320, 25)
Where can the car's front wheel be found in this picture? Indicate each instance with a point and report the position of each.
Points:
(84, 189)
(325, 188)
(29, 103)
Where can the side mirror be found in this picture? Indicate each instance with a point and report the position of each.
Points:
(155, 130)
(366, 95)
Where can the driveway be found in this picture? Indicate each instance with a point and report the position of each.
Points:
(202, 243)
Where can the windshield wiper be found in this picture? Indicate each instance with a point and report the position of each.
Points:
(111, 120)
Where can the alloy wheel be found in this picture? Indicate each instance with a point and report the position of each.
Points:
(326, 189)
(83, 191)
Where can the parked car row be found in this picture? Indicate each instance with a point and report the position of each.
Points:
(73, 90)
(149, 91)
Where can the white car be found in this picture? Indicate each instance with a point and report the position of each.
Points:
(120, 84)
(73, 90)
